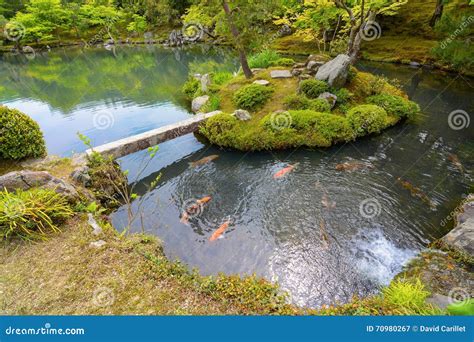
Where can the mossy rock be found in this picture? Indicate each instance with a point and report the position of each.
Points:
(395, 105)
(20, 136)
(367, 119)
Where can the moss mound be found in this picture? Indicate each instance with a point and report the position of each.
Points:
(20, 136)
(287, 113)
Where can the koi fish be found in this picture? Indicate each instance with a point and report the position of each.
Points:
(324, 235)
(194, 208)
(353, 166)
(204, 160)
(456, 162)
(219, 231)
(284, 171)
(327, 203)
(416, 192)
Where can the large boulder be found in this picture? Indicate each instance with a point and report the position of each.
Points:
(199, 102)
(31, 179)
(335, 71)
(462, 236)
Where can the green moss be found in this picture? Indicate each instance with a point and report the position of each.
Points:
(395, 105)
(301, 102)
(313, 88)
(367, 119)
(252, 96)
(268, 58)
(20, 136)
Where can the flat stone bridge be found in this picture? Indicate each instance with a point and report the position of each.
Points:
(123, 147)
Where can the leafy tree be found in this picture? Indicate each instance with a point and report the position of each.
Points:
(241, 21)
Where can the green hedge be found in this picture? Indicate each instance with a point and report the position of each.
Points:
(20, 136)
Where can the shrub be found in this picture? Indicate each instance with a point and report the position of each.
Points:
(221, 77)
(343, 96)
(263, 59)
(366, 119)
(191, 87)
(218, 129)
(282, 62)
(20, 136)
(319, 105)
(32, 214)
(313, 88)
(252, 96)
(395, 105)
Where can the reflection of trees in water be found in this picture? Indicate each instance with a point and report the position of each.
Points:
(66, 78)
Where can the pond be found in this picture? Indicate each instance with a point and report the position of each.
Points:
(322, 234)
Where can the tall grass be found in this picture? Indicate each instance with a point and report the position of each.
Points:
(32, 214)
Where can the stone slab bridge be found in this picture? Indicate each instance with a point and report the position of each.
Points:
(123, 147)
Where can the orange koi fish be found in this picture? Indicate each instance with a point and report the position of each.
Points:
(416, 192)
(327, 203)
(456, 162)
(194, 208)
(284, 171)
(219, 231)
(204, 160)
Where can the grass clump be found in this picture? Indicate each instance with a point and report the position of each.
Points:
(32, 214)
(405, 295)
(395, 105)
(221, 77)
(367, 119)
(191, 87)
(252, 96)
(268, 58)
(20, 136)
(313, 88)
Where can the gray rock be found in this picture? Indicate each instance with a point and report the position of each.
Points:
(81, 176)
(299, 65)
(316, 58)
(31, 179)
(242, 115)
(96, 229)
(199, 102)
(462, 236)
(297, 71)
(415, 64)
(335, 71)
(256, 70)
(314, 65)
(439, 300)
(205, 82)
(304, 77)
(280, 74)
(261, 82)
(98, 244)
(330, 98)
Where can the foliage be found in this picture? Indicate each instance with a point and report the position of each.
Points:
(32, 214)
(406, 295)
(366, 119)
(252, 96)
(20, 136)
(296, 102)
(213, 103)
(463, 308)
(313, 88)
(191, 87)
(138, 24)
(221, 77)
(343, 96)
(269, 58)
(395, 105)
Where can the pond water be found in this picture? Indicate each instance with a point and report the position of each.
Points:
(323, 234)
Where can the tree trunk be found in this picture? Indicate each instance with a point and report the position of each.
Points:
(438, 13)
(235, 33)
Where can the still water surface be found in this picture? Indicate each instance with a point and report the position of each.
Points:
(306, 230)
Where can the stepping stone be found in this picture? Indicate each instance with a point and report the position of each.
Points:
(261, 82)
(281, 74)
